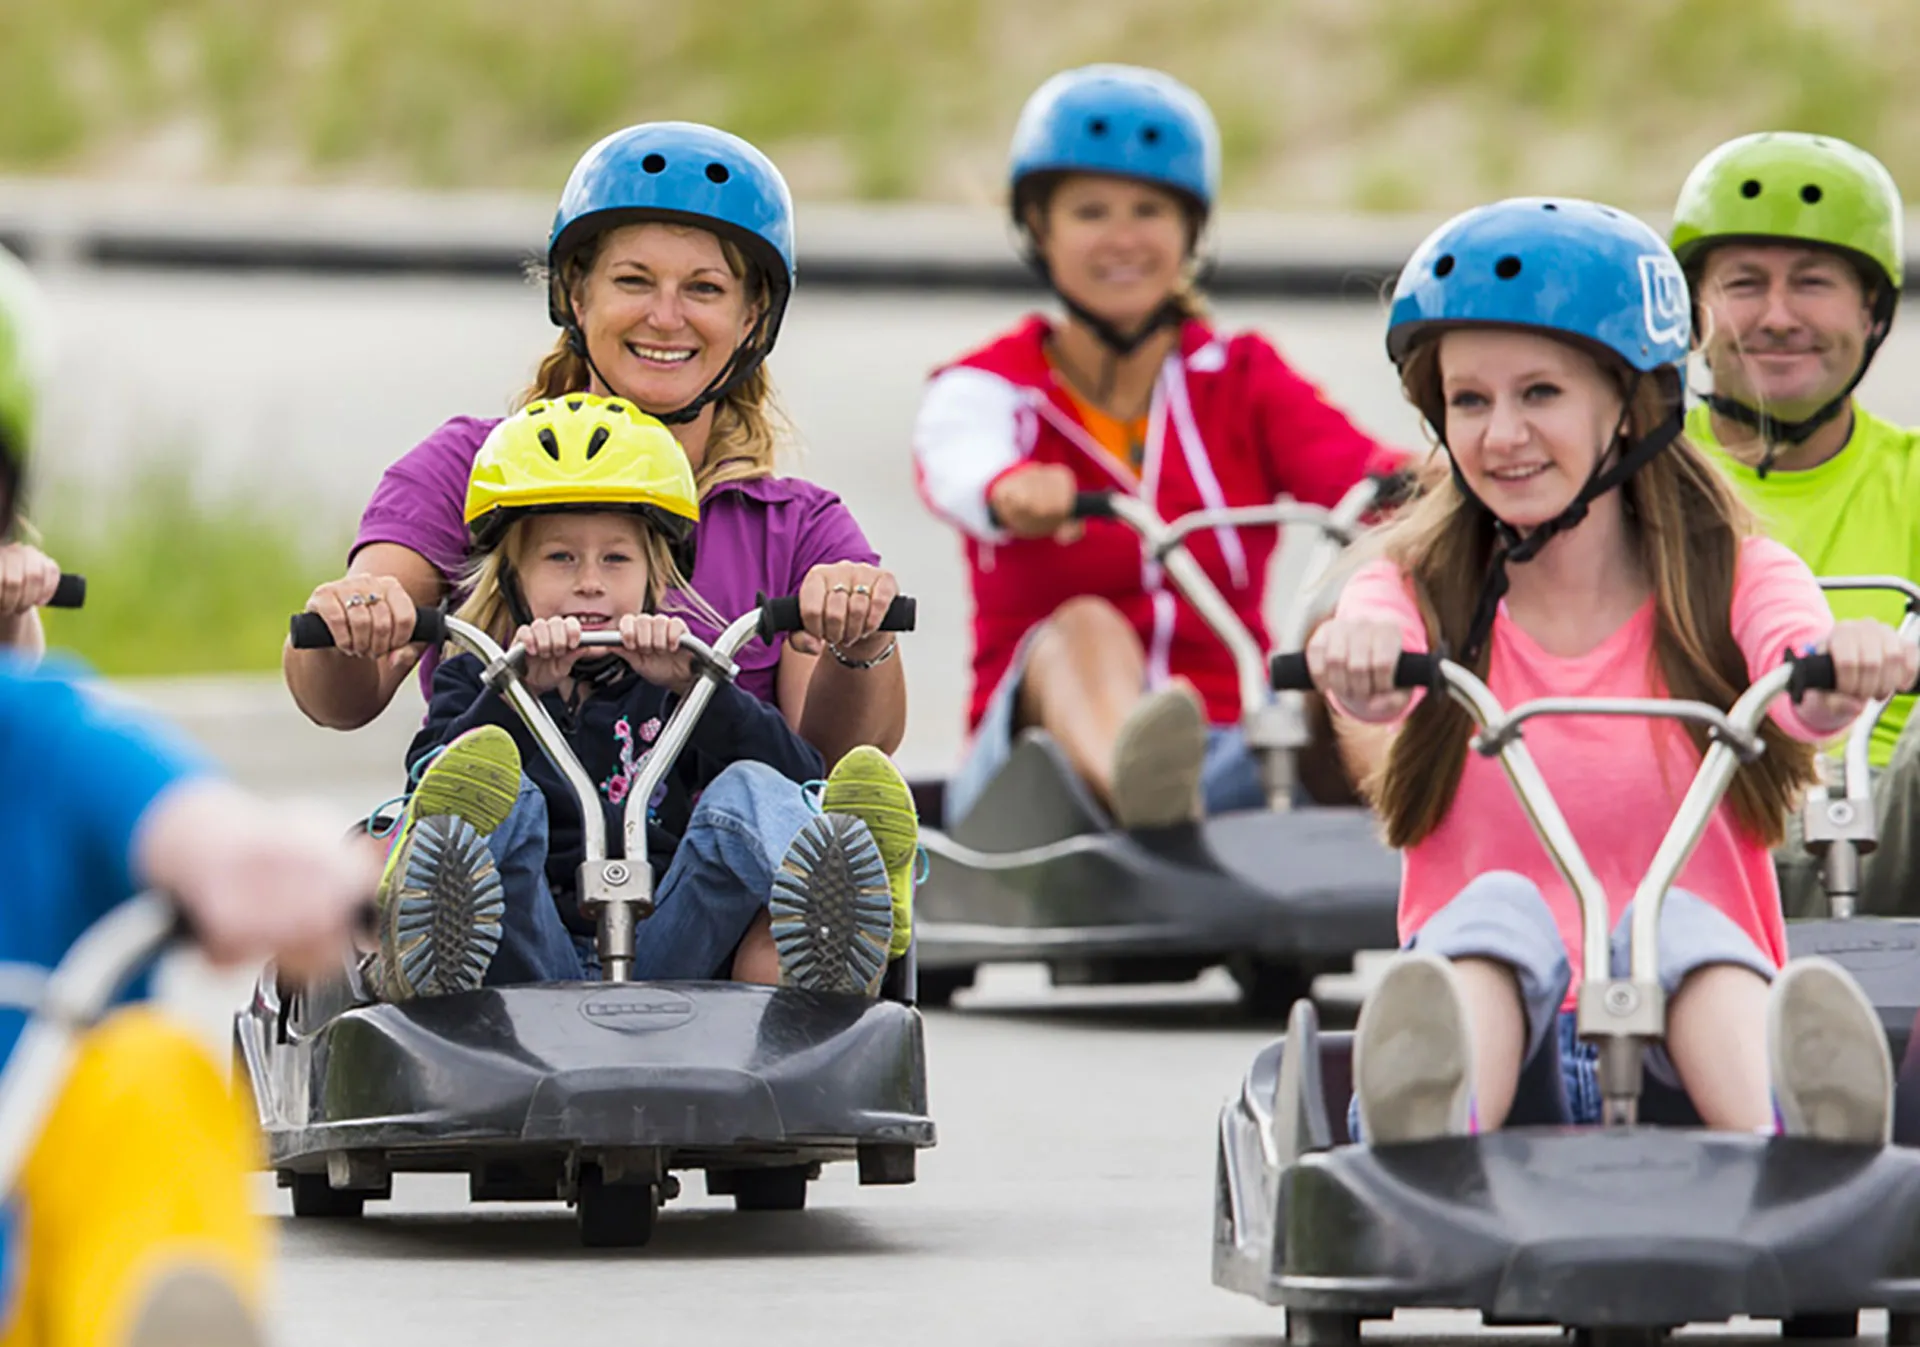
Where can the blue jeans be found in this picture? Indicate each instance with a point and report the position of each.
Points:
(721, 875)
(1229, 777)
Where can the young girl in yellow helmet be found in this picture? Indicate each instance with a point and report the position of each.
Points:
(581, 510)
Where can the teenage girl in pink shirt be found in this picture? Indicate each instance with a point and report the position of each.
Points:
(1582, 547)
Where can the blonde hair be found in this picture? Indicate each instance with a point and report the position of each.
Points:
(748, 423)
(487, 608)
(1687, 526)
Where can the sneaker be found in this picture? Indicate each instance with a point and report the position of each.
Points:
(1157, 761)
(441, 900)
(194, 1307)
(832, 908)
(866, 785)
(1413, 1054)
(1832, 1076)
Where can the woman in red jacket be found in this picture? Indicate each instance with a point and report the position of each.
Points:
(1076, 630)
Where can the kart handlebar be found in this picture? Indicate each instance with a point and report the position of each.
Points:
(783, 615)
(70, 591)
(1414, 669)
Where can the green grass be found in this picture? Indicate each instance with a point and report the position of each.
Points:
(1381, 104)
(179, 585)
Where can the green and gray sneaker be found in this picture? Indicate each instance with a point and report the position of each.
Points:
(867, 785)
(832, 910)
(441, 900)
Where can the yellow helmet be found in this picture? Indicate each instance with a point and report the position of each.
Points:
(583, 452)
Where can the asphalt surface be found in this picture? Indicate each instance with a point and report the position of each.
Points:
(1069, 1200)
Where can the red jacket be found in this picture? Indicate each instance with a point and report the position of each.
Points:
(1229, 424)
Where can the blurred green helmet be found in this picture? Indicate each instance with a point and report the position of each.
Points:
(22, 358)
(1793, 187)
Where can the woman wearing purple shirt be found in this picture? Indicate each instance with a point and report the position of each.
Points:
(669, 269)
(670, 266)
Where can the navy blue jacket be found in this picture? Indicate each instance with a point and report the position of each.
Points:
(611, 729)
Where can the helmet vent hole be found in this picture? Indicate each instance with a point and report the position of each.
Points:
(1548, 205)
(550, 442)
(1444, 267)
(717, 173)
(597, 441)
(1507, 267)
(654, 163)
(573, 404)
(1098, 126)
(1150, 134)
(1811, 194)
(1750, 188)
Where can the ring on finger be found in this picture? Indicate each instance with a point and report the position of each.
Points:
(356, 600)
(863, 589)
(841, 589)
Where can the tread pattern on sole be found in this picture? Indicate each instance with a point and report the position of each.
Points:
(832, 908)
(442, 917)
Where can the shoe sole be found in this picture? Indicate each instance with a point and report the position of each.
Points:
(866, 785)
(832, 909)
(442, 912)
(1832, 1077)
(1158, 760)
(194, 1308)
(1411, 1064)
(477, 779)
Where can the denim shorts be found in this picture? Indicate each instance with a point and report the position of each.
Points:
(1502, 916)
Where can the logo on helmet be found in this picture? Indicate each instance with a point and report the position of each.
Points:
(1665, 305)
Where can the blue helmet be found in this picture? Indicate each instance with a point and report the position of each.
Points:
(1119, 119)
(1568, 267)
(685, 172)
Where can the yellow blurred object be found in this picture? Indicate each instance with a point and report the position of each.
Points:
(141, 1173)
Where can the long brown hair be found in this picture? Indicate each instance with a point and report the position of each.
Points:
(748, 423)
(1687, 526)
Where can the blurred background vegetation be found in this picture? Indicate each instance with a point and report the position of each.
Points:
(1371, 104)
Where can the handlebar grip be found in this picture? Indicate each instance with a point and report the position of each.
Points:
(1412, 670)
(309, 631)
(1815, 673)
(1392, 488)
(783, 615)
(69, 592)
(1092, 505)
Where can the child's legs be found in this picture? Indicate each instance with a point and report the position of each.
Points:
(1716, 982)
(535, 945)
(721, 873)
(142, 1167)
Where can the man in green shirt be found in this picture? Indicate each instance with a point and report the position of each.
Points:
(1792, 246)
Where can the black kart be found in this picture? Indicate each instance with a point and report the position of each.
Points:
(1038, 872)
(593, 1093)
(1621, 1231)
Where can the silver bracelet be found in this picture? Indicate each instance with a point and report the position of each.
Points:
(877, 660)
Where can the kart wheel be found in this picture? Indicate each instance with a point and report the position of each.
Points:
(1268, 990)
(1322, 1328)
(1804, 1326)
(782, 1189)
(314, 1196)
(615, 1215)
(937, 985)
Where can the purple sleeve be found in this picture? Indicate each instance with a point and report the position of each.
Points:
(829, 533)
(420, 503)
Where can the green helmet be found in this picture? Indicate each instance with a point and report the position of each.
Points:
(22, 359)
(1791, 186)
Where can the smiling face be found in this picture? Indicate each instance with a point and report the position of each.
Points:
(1786, 326)
(1527, 419)
(1114, 245)
(662, 312)
(589, 566)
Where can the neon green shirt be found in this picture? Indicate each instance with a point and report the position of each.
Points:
(1856, 514)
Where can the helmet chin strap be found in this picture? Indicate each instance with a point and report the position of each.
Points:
(745, 359)
(597, 671)
(1775, 433)
(1511, 547)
